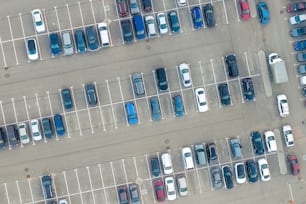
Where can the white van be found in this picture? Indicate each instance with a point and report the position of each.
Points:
(103, 32)
(166, 163)
(67, 43)
(150, 25)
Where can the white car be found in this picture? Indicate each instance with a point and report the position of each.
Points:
(288, 136)
(31, 47)
(181, 2)
(240, 173)
(185, 74)
(270, 141)
(303, 80)
(187, 158)
(283, 106)
(63, 201)
(23, 133)
(201, 99)
(162, 23)
(35, 130)
(104, 37)
(297, 19)
(182, 185)
(264, 170)
(38, 21)
(170, 188)
(166, 163)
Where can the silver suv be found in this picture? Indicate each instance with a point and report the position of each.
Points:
(138, 83)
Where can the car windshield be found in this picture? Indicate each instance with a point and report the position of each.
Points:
(246, 11)
(188, 154)
(32, 48)
(297, 18)
(133, 5)
(241, 171)
(38, 23)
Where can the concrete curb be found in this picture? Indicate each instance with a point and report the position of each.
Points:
(282, 163)
(265, 74)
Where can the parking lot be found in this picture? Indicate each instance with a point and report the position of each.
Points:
(15, 29)
(98, 183)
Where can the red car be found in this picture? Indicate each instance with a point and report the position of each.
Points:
(245, 10)
(295, 167)
(159, 190)
(295, 7)
(122, 8)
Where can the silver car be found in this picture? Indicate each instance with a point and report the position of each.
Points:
(67, 43)
(216, 178)
(134, 7)
(138, 83)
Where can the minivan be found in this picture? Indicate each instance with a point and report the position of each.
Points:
(12, 135)
(103, 32)
(199, 152)
(80, 41)
(166, 163)
(161, 79)
(150, 26)
(139, 27)
(67, 43)
(155, 169)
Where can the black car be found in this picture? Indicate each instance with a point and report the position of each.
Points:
(123, 195)
(161, 79)
(257, 142)
(304, 91)
(91, 95)
(209, 15)
(47, 128)
(147, 5)
(251, 169)
(211, 152)
(3, 139)
(248, 89)
(67, 99)
(155, 169)
(231, 65)
(46, 181)
(127, 30)
(224, 94)
(299, 31)
(228, 177)
(92, 38)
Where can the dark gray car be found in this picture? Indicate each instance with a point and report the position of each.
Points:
(200, 154)
(216, 178)
(138, 83)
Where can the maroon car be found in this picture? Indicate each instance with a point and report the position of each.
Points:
(159, 190)
(295, 7)
(294, 165)
(122, 8)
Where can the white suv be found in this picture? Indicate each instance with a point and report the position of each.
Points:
(283, 106)
(170, 188)
(187, 158)
(166, 163)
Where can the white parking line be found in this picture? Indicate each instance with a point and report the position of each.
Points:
(156, 88)
(215, 81)
(251, 144)
(111, 102)
(122, 100)
(240, 90)
(91, 188)
(237, 12)
(22, 28)
(54, 187)
(14, 109)
(48, 95)
(150, 176)
(144, 86)
(102, 181)
(71, 27)
(18, 190)
(99, 105)
(3, 56)
(226, 78)
(202, 77)
(88, 111)
(182, 94)
(5, 125)
(76, 112)
(105, 9)
(40, 118)
(226, 17)
(124, 170)
(95, 21)
(134, 159)
(81, 14)
(28, 116)
(7, 195)
(13, 41)
(31, 192)
(291, 194)
(66, 184)
(198, 176)
(113, 174)
(228, 150)
(64, 111)
(247, 62)
(135, 101)
(79, 186)
(58, 23)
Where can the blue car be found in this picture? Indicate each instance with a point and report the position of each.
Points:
(224, 94)
(131, 113)
(91, 95)
(174, 21)
(67, 100)
(47, 128)
(301, 56)
(257, 142)
(58, 123)
(55, 44)
(92, 38)
(139, 27)
(178, 105)
(46, 181)
(80, 41)
(263, 12)
(196, 17)
(248, 89)
(155, 108)
(299, 45)
(298, 31)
